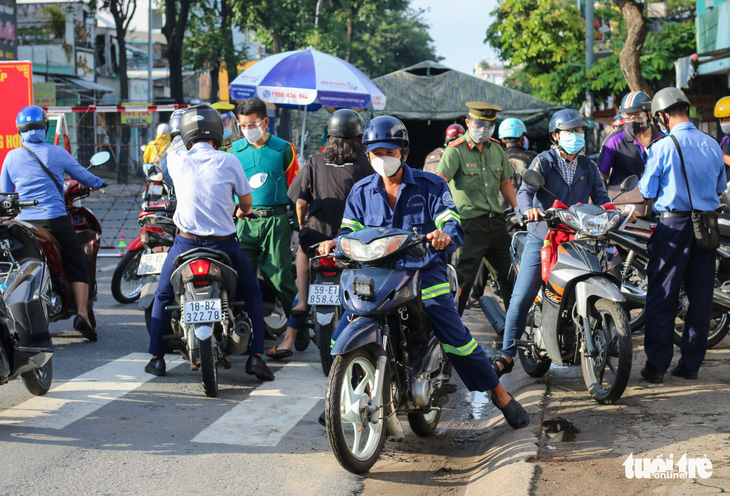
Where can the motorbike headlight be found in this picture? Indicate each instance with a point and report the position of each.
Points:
(356, 250)
(595, 225)
(567, 217)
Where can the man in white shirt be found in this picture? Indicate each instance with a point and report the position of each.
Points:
(206, 181)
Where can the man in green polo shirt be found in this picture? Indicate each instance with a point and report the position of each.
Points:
(477, 170)
(270, 165)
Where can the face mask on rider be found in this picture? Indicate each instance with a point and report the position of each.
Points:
(481, 134)
(572, 143)
(725, 126)
(227, 132)
(386, 166)
(638, 127)
(253, 135)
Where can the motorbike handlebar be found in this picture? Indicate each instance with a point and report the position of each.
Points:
(28, 203)
(156, 209)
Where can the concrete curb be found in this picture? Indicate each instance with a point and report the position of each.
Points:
(504, 458)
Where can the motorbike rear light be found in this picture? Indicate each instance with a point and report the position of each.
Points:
(327, 261)
(153, 229)
(199, 283)
(200, 267)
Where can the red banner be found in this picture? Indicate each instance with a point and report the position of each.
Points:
(16, 92)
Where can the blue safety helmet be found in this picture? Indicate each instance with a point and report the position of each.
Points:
(175, 119)
(512, 128)
(31, 117)
(385, 132)
(566, 119)
(636, 101)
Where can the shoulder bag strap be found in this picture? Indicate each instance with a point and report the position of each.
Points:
(684, 171)
(45, 169)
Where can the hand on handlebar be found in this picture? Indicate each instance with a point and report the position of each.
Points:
(438, 239)
(533, 215)
(326, 247)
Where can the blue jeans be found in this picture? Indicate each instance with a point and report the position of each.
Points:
(247, 288)
(526, 288)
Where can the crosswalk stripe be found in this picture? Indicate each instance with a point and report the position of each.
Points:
(271, 410)
(83, 395)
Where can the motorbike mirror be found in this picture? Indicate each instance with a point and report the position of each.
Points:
(149, 170)
(533, 178)
(629, 183)
(100, 158)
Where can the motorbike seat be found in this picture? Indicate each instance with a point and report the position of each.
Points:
(40, 231)
(201, 252)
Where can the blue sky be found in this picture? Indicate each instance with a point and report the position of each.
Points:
(458, 28)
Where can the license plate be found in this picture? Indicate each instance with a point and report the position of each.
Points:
(156, 189)
(151, 263)
(202, 311)
(324, 294)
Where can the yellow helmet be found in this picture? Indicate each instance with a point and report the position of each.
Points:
(722, 108)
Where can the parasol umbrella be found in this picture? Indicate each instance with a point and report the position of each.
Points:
(310, 79)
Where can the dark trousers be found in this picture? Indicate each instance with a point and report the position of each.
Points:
(675, 260)
(247, 288)
(484, 237)
(465, 354)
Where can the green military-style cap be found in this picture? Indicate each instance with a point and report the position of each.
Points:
(483, 110)
(223, 107)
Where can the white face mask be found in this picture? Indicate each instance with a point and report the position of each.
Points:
(386, 166)
(725, 127)
(253, 135)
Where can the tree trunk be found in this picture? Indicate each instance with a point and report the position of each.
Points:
(350, 32)
(226, 31)
(275, 40)
(174, 31)
(214, 84)
(629, 58)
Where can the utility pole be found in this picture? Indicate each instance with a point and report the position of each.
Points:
(149, 58)
(589, 34)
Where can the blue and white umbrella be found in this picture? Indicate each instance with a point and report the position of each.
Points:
(310, 79)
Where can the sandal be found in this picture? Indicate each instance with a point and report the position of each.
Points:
(515, 414)
(472, 303)
(506, 366)
(276, 354)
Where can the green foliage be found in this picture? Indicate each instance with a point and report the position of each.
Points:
(53, 19)
(207, 41)
(377, 36)
(556, 72)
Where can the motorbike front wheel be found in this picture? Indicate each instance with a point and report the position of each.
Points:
(126, 284)
(634, 283)
(38, 381)
(208, 368)
(355, 440)
(607, 374)
(533, 364)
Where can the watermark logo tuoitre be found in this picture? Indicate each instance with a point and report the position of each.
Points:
(665, 468)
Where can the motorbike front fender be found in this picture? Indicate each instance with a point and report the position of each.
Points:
(362, 331)
(595, 287)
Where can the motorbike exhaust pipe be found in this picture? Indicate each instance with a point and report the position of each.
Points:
(240, 338)
(720, 297)
(494, 313)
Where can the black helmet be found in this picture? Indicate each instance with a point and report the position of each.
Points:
(201, 122)
(175, 119)
(667, 98)
(566, 119)
(636, 101)
(31, 117)
(345, 123)
(385, 129)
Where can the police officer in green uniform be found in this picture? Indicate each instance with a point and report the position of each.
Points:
(477, 170)
(270, 165)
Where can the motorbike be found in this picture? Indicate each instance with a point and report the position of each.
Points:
(142, 260)
(206, 319)
(387, 360)
(577, 317)
(324, 304)
(26, 349)
(633, 241)
(88, 230)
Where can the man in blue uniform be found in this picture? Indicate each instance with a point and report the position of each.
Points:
(673, 255)
(23, 173)
(404, 198)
